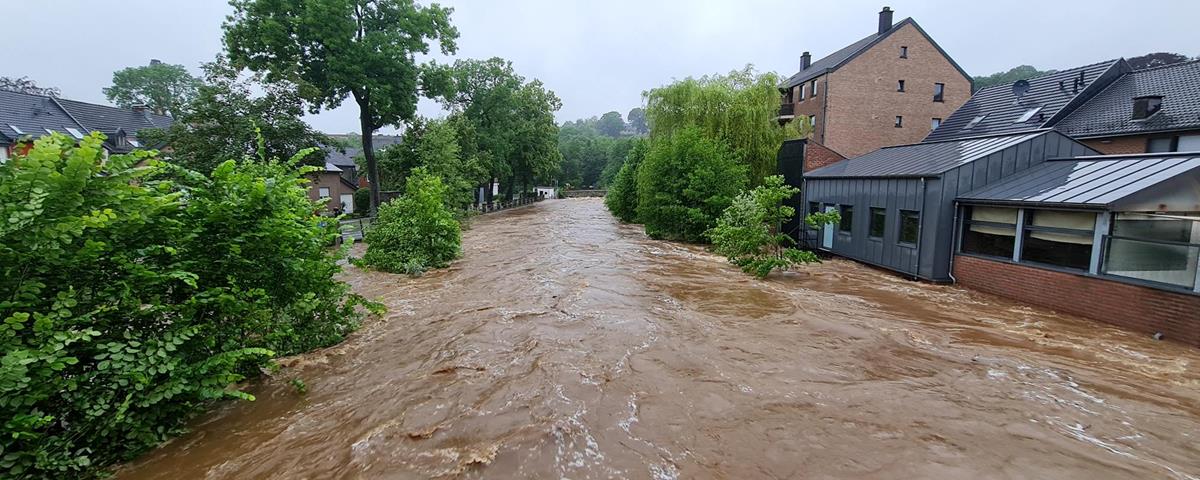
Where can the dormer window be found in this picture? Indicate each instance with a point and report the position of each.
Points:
(1145, 107)
(974, 121)
(1028, 114)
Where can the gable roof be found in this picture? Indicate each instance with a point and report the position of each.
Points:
(836, 59)
(1054, 93)
(33, 115)
(106, 119)
(1110, 112)
(920, 159)
(1098, 181)
(345, 158)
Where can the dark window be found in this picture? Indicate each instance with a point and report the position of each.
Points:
(974, 121)
(800, 90)
(1154, 248)
(990, 231)
(813, 89)
(934, 123)
(1145, 107)
(847, 223)
(903, 52)
(878, 221)
(813, 207)
(1058, 238)
(812, 121)
(910, 226)
(899, 121)
(939, 91)
(900, 85)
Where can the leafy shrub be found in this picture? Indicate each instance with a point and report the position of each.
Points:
(749, 231)
(131, 301)
(416, 231)
(684, 183)
(362, 201)
(621, 199)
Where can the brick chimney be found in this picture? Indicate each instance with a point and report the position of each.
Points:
(885, 20)
(805, 61)
(155, 61)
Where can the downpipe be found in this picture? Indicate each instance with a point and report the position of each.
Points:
(954, 242)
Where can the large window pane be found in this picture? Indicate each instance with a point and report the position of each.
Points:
(1155, 262)
(910, 226)
(878, 222)
(1157, 227)
(990, 231)
(1059, 238)
(847, 222)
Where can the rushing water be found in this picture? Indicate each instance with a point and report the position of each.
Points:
(566, 345)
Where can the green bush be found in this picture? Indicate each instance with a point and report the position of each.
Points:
(362, 201)
(621, 198)
(684, 183)
(416, 231)
(132, 299)
(749, 232)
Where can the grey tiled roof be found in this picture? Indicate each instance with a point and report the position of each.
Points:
(33, 115)
(1085, 181)
(346, 158)
(836, 59)
(1110, 112)
(920, 159)
(1053, 92)
(104, 118)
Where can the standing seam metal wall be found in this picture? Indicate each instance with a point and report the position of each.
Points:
(933, 197)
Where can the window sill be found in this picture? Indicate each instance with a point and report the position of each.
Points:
(906, 245)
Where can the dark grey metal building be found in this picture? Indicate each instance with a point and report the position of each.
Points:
(898, 203)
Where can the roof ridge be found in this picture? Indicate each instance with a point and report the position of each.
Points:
(1169, 65)
(1046, 74)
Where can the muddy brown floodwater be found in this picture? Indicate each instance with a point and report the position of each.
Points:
(566, 345)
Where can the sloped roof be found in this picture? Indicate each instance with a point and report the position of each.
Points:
(1096, 182)
(1000, 108)
(836, 59)
(346, 158)
(32, 115)
(104, 118)
(1110, 112)
(920, 159)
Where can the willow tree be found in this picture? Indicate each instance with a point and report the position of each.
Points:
(334, 49)
(739, 109)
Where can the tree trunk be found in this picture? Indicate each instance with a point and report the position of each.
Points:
(368, 133)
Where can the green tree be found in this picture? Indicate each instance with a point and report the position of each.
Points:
(738, 110)
(637, 120)
(333, 49)
(1156, 59)
(622, 197)
(1023, 72)
(611, 124)
(25, 85)
(416, 231)
(511, 121)
(164, 89)
(433, 145)
(684, 183)
(226, 120)
(749, 232)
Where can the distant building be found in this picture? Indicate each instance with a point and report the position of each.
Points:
(26, 117)
(890, 88)
(340, 178)
(1012, 195)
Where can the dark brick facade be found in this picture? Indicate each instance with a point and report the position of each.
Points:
(1118, 145)
(817, 156)
(1142, 309)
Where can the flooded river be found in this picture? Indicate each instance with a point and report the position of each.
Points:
(566, 345)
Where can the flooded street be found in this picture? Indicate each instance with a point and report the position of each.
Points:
(566, 345)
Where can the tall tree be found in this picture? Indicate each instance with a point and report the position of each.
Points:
(165, 89)
(1156, 59)
(433, 145)
(334, 49)
(737, 110)
(25, 85)
(611, 124)
(637, 120)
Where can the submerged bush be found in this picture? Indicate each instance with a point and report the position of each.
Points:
(749, 232)
(131, 299)
(621, 198)
(684, 183)
(416, 231)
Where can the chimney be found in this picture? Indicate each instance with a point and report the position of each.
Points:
(885, 20)
(139, 108)
(155, 61)
(805, 61)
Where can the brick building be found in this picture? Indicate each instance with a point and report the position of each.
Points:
(889, 88)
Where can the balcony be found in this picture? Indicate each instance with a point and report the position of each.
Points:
(787, 110)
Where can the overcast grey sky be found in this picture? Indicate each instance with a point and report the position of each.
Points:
(600, 55)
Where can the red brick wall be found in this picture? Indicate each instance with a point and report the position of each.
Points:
(1143, 309)
(1118, 145)
(817, 156)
